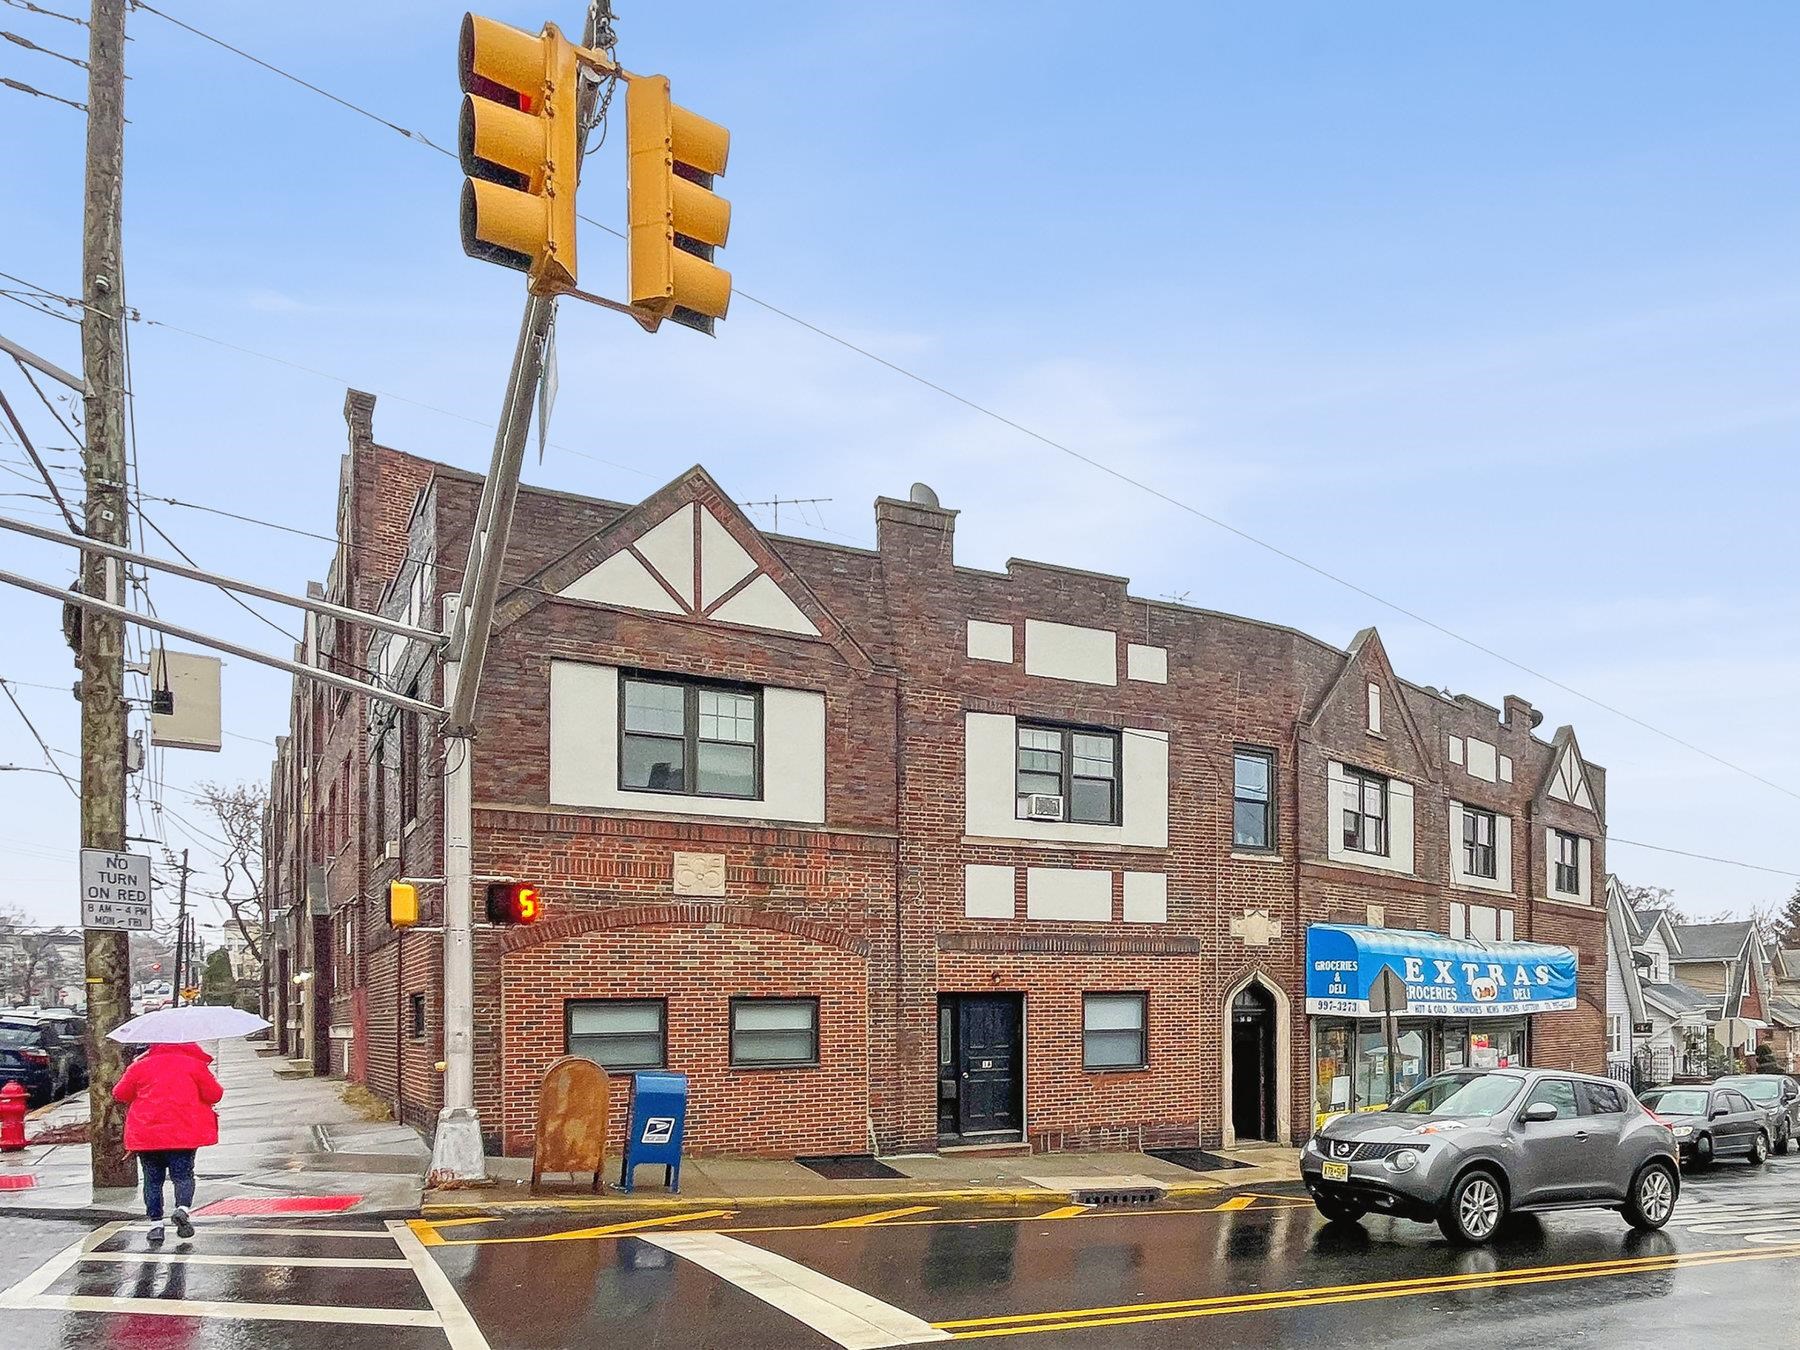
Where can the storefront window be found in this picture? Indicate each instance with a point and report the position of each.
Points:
(1414, 1067)
(1331, 1069)
(1371, 1066)
(1497, 1045)
(1453, 1045)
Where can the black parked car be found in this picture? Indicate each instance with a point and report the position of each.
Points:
(1712, 1122)
(1777, 1094)
(43, 1058)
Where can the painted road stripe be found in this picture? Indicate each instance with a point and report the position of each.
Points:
(625, 1229)
(1277, 1300)
(1063, 1212)
(451, 1314)
(863, 1220)
(1236, 1202)
(261, 1312)
(845, 1316)
(34, 1284)
(231, 1230)
(212, 1259)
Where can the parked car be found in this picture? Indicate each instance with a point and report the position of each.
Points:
(1777, 1094)
(1712, 1122)
(1469, 1147)
(41, 1058)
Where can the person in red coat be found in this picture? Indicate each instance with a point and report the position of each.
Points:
(170, 1093)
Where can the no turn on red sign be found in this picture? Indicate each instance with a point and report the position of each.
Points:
(115, 890)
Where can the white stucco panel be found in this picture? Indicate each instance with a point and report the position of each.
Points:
(1149, 664)
(669, 548)
(763, 604)
(723, 562)
(987, 891)
(584, 753)
(1068, 893)
(990, 641)
(1146, 897)
(990, 797)
(623, 580)
(1061, 651)
(1456, 750)
(1483, 759)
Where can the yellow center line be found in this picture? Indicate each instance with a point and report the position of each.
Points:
(978, 1328)
(863, 1220)
(582, 1234)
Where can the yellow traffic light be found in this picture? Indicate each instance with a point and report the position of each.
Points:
(672, 156)
(520, 144)
(403, 904)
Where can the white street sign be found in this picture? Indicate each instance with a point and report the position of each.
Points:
(115, 890)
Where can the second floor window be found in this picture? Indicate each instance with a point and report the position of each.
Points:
(700, 739)
(1252, 794)
(1068, 771)
(1365, 812)
(1478, 843)
(1568, 863)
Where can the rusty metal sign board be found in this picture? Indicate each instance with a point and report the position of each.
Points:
(571, 1120)
(1388, 993)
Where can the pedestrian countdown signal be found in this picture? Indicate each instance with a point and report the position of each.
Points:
(512, 902)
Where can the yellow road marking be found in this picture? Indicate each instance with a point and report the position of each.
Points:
(1236, 1202)
(581, 1234)
(864, 1220)
(1066, 1212)
(425, 1231)
(979, 1328)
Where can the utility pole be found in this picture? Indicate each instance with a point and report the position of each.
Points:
(103, 712)
(182, 953)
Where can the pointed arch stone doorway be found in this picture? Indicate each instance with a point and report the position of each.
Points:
(1254, 1089)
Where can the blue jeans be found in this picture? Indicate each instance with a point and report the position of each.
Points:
(173, 1163)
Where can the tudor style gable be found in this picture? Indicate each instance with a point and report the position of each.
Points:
(686, 551)
(1568, 780)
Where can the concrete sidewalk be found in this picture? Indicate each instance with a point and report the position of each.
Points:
(281, 1140)
(970, 1177)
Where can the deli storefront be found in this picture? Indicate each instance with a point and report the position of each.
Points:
(1469, 1005)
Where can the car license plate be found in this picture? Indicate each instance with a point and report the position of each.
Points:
(1337, 1171)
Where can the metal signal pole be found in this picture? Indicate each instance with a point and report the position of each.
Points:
(103, 711)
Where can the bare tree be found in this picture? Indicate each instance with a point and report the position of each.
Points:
(31, 959)
(1654, 897)
(242, 811)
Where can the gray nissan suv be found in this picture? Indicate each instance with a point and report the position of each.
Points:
(1467, 1148)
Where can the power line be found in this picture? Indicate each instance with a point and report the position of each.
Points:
(43, 470)
(1703, 857)
(35, 735)
(1061, 448)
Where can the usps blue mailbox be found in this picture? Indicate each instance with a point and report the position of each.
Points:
(658, 1118)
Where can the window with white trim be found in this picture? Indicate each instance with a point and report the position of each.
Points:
(689, 737)
(618, 1034)
(1077, 767)
(1568, 862)
(1114, 1031)
(1479, 857)
(1365, 812)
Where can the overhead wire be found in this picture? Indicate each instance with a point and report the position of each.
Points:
(43, 745)
(1069, 451)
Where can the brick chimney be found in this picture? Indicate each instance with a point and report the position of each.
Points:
(916, 533)
(359, 416)
(1520, 715)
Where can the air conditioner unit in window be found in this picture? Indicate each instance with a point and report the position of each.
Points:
(392, 850)
(1043, 806)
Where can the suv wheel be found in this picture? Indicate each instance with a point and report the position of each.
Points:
(1338, 1211)
(1781, 1144)
(1474, 1209)
(1652, 1197)
(1759, 1151)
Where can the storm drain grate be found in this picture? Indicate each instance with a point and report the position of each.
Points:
(1114, 1196)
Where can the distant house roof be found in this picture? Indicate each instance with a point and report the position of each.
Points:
(1711, 941)
(1682, 997)
(1783, 1013)
(1633, 922)
(1787, 963)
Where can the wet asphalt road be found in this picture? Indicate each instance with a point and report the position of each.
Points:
(1266, 1271)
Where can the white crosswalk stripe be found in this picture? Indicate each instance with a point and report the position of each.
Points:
(446, 1312)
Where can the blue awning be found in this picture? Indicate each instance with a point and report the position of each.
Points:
(1444, 977)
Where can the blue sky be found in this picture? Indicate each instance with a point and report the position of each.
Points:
(1490, 310)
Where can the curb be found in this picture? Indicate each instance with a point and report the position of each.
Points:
(662, 1201)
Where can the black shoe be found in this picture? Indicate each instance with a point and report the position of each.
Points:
(184, 1226)
(155, 1236)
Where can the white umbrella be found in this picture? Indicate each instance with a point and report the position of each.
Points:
(175, 1026)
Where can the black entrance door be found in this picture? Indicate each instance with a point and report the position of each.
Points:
(980, 1063)
(1253, 1064)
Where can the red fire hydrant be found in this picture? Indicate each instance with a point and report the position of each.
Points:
(12, 1118)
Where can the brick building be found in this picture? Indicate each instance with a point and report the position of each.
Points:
(890, 853)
